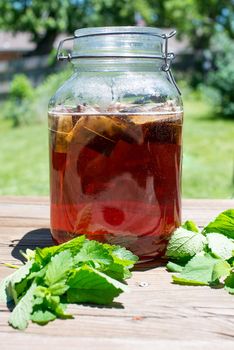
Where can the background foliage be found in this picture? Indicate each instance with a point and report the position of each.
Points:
(197, 19)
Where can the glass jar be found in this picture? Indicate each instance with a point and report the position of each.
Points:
(115, 141)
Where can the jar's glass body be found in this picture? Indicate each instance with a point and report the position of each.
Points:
(115, 155)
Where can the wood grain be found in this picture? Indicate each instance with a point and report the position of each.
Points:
(158, 316)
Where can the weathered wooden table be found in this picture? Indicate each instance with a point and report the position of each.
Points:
(160, 315)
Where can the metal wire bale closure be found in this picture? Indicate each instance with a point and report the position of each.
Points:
(166, 56)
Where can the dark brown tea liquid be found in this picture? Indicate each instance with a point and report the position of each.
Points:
(116, 178)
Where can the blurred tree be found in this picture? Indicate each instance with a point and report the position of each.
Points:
(197, 19)
(45, 19)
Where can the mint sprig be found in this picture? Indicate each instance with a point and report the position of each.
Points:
(21, 314)
(79, 271)
(204, 257)
(223, 223)
(184, 244)
(88, 285)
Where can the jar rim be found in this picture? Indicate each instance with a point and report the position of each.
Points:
(92, 31)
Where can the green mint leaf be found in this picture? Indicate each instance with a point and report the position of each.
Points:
(41, 291)
(73, 245)
(21, 314)
(229, 283)
(42, 317)
(58, 267)
(220, 270)
(88, 285)
(58, 288)
(23, 272)
(8, 290)
(173, 267)
(184, 244)
(37, 301)
(40, 273)
(44, 255)
(60, 311)
(121, 255)
(95, 252)
(43, 297)
(20, 288)
(224, 223)
(190, 226)
(44, 301)
(53, 303)
(187, 281)
(198, 271)
(118, 272)
(29, 254)
(5, 295)
(221, 246)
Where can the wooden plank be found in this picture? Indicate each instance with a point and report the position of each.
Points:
(24, 200)
(106, 329)
(149, 312)
(187, 203)
(160, 299)
(152, 328)
(24, 213)
(14, 239)
(157, 316)
(37, 342)
(35, 212)
(204, 210)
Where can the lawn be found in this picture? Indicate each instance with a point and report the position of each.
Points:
(208, 162)
(24, 160)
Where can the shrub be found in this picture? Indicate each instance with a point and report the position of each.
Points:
(21, 87)
(27, 105)
(46, 90)
(20, 97)
(221, 80)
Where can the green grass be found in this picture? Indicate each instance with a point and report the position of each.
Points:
(24, 168)
(208, 161)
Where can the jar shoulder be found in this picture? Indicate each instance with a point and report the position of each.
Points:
(106, 88)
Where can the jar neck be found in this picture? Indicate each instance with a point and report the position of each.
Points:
(118, 65)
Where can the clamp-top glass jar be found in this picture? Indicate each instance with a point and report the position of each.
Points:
(115, 141)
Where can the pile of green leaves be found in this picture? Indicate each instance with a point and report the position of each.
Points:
(204, 257)
(79, 271)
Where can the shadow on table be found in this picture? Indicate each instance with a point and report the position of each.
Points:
(42, 238)
(144, 266)
(32, 239)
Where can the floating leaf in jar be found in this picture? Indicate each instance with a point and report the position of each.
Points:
(64, 126)
(83, 220)
(75, 135)
(98, 132)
